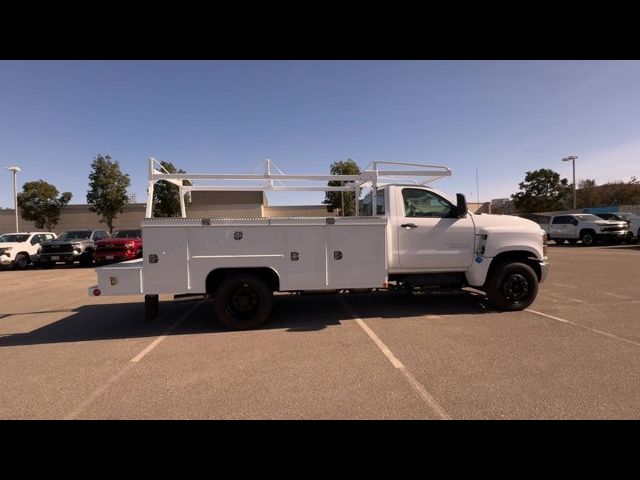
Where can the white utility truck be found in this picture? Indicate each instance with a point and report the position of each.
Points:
(414, 237)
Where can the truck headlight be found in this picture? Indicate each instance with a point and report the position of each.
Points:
(544, 243)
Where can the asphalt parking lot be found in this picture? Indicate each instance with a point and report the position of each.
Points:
(574, 354)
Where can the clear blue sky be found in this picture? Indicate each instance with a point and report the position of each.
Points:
(505, 117)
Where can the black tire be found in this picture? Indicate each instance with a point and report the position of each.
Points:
(512, 286)
(588, 238)
(21, 261)
(242, 302)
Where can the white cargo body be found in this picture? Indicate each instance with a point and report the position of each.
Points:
(305, 253)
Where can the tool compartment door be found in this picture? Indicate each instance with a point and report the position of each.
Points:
(357, 256)
(166, 259)
(305, 257)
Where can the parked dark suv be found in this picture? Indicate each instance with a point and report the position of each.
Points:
(71, 246)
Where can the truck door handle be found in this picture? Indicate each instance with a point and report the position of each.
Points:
(409, 225)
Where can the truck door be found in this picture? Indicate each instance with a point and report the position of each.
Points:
(559, 227)
(430, 237)
(571, 229)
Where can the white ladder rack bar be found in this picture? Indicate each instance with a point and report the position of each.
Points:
(367, 178)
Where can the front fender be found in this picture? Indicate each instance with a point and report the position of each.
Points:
(493, 242)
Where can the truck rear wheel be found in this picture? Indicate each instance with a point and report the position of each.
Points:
(242, 302)
(588, 238)
(512, 286)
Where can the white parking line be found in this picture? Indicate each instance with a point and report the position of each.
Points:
(583, 327)
(617, 295)
(157, 341)
(102, 388)
(415, 384)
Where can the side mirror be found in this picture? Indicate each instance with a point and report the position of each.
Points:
(461, 208)
(575, 222)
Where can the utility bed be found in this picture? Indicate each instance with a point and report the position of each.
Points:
(306, 253)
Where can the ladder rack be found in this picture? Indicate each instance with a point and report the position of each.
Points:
(420, 174)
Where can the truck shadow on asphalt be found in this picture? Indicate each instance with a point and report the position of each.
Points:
(293, 313)
(623, 247)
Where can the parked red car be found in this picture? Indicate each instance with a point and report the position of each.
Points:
(123, 245)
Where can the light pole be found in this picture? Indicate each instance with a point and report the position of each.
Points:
(573, 160)
(15, 170)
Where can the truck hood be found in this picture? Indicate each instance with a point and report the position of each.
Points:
(503, 222)
(12, 244)
(609, 223)
(63, 242)
(117, 241)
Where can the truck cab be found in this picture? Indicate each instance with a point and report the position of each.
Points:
(432, 235)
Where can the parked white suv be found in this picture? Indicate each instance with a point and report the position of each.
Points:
(585, 227)
(20, 249)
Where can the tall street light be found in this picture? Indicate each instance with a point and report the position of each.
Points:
(573, 160)
(15, 170)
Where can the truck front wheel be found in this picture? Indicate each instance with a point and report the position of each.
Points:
(21, 261)
(242, 302)
(512, 286)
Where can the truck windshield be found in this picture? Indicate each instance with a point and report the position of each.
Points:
(15, 238)
(127, 234)
(588, 218)
(75, 235)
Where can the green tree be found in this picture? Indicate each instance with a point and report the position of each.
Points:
(588, 194)
(39, 202)
(338, 199)
(166, 197)
(107, 192)
(542, 191)
(621, 193)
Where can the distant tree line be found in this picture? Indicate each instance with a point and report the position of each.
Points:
(544, 191)
(41, 203)
(541, 191)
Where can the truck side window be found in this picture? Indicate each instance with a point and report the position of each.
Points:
(365, 205)
(422, 203)
(559, 220)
